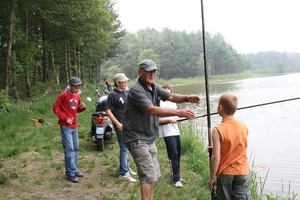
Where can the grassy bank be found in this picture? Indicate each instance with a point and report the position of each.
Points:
(32, 166)
(32, 162)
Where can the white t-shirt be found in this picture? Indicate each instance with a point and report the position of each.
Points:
(168, 129)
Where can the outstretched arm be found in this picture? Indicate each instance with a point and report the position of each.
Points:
(163, 112)
(180, 98)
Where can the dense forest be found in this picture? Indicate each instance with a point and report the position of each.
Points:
(44, 43)
(47, 42)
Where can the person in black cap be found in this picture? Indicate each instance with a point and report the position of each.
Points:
(66, 107)
(141, 121)
(68, 86)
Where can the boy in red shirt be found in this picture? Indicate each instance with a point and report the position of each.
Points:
(66, 108)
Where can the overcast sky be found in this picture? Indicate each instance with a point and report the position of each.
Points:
(249, 26)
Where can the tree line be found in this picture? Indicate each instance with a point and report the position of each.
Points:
(47, 42)
(44, 43)
(179, 54)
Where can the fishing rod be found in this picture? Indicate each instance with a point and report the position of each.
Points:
(242, 108)
(212, 194)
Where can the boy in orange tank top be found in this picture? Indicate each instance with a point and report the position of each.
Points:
(229, 162)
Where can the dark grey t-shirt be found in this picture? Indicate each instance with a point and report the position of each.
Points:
(138, 124)
(116, 102)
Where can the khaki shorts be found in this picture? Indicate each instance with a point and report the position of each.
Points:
(145, 158)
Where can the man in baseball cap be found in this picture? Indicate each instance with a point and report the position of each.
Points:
(141, 122)
(148, 65)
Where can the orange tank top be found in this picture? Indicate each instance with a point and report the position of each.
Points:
(234, 144)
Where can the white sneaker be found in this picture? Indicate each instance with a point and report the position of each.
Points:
(132, 172)
(127, 177)
(178, 184)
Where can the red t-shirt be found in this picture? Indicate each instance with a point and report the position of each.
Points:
(67, 106)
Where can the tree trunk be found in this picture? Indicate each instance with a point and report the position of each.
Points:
(66, 61)
(54, 68)
(80, 73)
(9, 45)
(28, 86)
(69, 60)
(44, 54)
(75, 61)
(37, 58)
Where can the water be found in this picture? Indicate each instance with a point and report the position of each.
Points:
(274, 142)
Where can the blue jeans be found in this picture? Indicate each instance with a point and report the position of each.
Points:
(123, 157)
(174, 150)
(71, 149)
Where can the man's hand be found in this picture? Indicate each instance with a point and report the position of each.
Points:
(186, 113)
(194, 99)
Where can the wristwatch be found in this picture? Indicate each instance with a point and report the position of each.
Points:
(186, 98)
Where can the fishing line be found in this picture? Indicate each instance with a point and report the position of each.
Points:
(246, 107)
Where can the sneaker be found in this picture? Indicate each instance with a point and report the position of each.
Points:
(132, 172)
(79, 174)
(178, 184)
(127, 177)
(74, 179)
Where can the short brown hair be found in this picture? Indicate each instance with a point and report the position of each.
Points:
(229, 102)
(166, 86)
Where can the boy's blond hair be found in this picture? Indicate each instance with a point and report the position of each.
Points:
(229, 102)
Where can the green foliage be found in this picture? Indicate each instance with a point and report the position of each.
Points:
(4, 102)
(53, 40)
(149, 54)
(111, 71)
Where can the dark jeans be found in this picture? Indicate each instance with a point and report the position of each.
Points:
(174, 150)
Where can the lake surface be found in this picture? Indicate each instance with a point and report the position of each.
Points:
(274, 137)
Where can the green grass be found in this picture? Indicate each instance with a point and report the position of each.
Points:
(32, 166)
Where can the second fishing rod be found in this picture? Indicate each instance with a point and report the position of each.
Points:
(246, 107)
